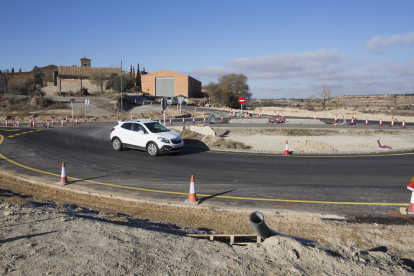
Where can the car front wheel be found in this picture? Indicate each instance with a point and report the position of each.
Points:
(152, 149)
(117, 144)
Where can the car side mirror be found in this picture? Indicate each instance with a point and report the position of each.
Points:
(141, 132)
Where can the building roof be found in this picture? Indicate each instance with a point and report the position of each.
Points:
(85, 58)
(168, 72)
(86, 71)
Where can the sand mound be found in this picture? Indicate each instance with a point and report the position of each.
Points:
(196, 139)
(311, 146)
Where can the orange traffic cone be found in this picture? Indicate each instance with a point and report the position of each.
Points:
(61, 123)
(66, 119)
(352, 121)
(403, 124)
(222, 118)
(380, 123)
(47, 124)
(287, 149)
(63, 177)
(193, 121)
(76, 121)
(336, 119)
(183, 121)
(366, 121)
(192, 197)
(18, 122)
(392, 123)
(34, 124)
(170, 121)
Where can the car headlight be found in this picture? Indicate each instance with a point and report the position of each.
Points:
(164, 140)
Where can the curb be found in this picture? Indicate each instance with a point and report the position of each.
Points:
(329, 153)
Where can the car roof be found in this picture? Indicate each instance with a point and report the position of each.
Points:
(137, 121)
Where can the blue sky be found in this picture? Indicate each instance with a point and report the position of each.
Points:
(287, 49)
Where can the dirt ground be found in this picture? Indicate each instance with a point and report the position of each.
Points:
(49, 230)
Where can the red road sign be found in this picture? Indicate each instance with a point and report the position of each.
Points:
(242, 100)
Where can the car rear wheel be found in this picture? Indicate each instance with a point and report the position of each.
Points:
(117, 144)
(152, 149)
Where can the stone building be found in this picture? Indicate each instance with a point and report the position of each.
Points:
(74, 78)
(170, 83)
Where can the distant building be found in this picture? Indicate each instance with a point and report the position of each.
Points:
(74, 78)
(169, 83)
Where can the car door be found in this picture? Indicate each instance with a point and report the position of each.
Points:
(125, 133)
(139, 135)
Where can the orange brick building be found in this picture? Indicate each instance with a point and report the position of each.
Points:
(169, 83)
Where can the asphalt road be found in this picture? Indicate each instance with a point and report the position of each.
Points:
(341, 185)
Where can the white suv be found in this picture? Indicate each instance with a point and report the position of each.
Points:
(172, 100)
(146, 135)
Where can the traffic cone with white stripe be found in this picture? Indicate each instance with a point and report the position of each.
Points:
(18, 123)
(30, 122)
(53, 120)
(47, 124)
(403, 124)
(366, 121)
(6, 123)
(63, 177)
(380, 123)
(193, 120)
(352, 121)
(204, 119)
(159, 120)
(192, 197)
(66, 119)
(34, 124)
(307, 114)
(287, 149)
(76, 122)
(61, 123)
(222, 118)
(392, 123)
(411, 188)
(170, 121)
(183, 121)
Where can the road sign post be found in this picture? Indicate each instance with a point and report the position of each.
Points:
(164, 106)
(241, 102)
(86, 105)
(180, 101)
(72, 100)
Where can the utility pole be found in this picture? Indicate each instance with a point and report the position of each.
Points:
(121, 87)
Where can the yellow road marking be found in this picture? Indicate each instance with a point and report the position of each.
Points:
(13, 129)
(203, 195)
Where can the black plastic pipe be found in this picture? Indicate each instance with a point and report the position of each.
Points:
(263, 231)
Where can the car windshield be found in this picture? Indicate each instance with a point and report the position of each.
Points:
(156, 127)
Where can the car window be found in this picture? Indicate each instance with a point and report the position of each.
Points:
(156, 127)
(138, 127)
(127, 126)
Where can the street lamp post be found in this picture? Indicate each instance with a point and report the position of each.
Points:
(121, 88)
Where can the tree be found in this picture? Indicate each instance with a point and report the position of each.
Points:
(138, 79)
(114, 82)
(38, 75)
(130, 70)
(228, 90)
(323, 97)
(99, 78)
(20, 70)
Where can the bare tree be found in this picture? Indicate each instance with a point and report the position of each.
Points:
(99, 78)
(323, 97)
